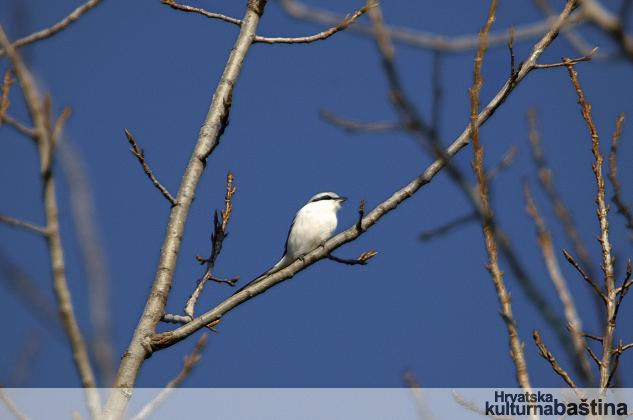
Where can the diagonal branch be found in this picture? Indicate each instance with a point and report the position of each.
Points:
(52, 30)
(547, 355)
(169, 338)
(140, 155)
(210, 15)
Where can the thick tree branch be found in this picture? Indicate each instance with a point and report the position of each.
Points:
(171, 337)
(212, 128)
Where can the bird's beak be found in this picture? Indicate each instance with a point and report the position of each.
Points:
(341, 199)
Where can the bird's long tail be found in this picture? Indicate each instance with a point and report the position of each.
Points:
(283, 263)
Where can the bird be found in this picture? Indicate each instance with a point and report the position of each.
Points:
(313, 224)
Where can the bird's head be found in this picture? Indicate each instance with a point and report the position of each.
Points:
(328, 199)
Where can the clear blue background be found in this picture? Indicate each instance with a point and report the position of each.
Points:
(429, 307)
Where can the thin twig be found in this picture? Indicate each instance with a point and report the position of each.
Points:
(593, 356)
(52, 30)
(361, 260)
(547, 355)
(210, 15)
(140, 155)
(470, 406)
(417, 391)
(217, 240)
(18, 126)
(344, 24)
(585, 276)
(602, 211)
(584, 58)
(32, 227)
(190, 362)
(506, 162)
(623, 208)
(560, 283)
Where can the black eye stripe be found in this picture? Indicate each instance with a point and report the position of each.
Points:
(325, 197)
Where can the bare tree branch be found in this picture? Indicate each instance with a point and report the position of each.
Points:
(547, 355)
(217, 240)
(516, 347)
(585, 276)
(424, 40)
(623, 208)
(358, 126)
(7, 81)
(13, 409)
(412, 383)
(560, 283)
(93, 259)
(344, 24)
(448, 227)
(190, 362)
(169, 338)
(12, 221)
(210, 15)
(212, 128)
(140, 155)
(602, 211)
(52, 30)
(38, 114)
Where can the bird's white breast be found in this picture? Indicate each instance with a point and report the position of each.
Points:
(313, 225)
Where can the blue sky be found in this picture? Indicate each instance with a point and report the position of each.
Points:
(429, 306)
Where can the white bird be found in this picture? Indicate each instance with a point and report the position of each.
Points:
(313, 224)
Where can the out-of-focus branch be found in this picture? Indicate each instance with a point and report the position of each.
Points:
(556, 275)
(31, 227)
(448, 227)
(623, 208)
(140, 155)
(411, 382)
(169, 338)
(546, 180)
(602, 211)
(424, 40)
(353, 126)
(93, 259)
(213, 127)
(217, 240)
(547, 355)
(13, 409)
(470, 406)
(429, 138)
(52, 30)
(574, 38)
(24, 364)
(601, 17)
(43, 137)
(190, 362)
(516, 347)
